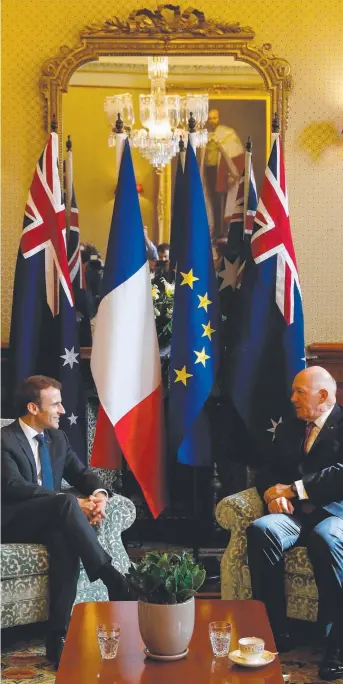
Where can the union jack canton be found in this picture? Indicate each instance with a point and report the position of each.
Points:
(274, 235)
(44, 225)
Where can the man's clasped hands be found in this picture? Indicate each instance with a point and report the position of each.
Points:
(278, 498)
(94, 507)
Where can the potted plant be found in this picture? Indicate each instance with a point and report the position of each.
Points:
(166, 585)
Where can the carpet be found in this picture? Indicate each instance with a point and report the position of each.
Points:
(24, 661)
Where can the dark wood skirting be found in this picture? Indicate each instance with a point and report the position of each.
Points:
(329, 355)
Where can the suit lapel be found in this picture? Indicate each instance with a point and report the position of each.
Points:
(26, 448)
(329, 424)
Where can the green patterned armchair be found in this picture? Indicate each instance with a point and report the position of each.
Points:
(24, 567)
(235, 513)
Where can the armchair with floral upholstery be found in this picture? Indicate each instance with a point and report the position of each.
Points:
(235, 513)
(24, 567)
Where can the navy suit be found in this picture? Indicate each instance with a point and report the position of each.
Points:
(321, 530)
(31, 513)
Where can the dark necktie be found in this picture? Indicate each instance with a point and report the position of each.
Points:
(47, 480)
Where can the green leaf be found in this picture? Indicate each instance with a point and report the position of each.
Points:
(166, 578)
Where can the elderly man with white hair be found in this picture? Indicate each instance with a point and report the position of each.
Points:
(303, 492)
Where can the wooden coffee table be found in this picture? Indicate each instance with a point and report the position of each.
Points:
(81, 662)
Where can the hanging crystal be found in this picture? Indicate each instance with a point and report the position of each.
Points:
(164, 117)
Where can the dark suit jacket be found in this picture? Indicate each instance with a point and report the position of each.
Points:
(321, 470)
(18, 469)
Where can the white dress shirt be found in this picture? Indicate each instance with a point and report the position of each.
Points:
(319, 422)
(30, 435)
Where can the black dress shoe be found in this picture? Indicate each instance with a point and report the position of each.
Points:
(54, 648)
(331, 667)
(116, 584)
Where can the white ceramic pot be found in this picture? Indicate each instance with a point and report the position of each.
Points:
(166, 629)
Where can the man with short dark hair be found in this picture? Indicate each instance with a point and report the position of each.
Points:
(303, 492)
(163, 270)
(36, 455)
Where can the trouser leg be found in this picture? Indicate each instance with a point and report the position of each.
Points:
(64, 570)
(325, 549)
(34, 520)
(268, 538)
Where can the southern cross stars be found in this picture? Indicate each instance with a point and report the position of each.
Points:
(201, 357)
(182, 375)
(274, 424)
(188, 278)
(70, 357)
(204, 301)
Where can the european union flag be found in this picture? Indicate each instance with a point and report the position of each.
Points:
(194, 345)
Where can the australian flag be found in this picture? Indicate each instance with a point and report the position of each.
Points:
(44, 339)
(73, 251)
(194, 345)
(237, 251)
(269, 349)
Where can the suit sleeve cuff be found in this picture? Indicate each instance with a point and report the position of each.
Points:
(302, 494)
(96, 491)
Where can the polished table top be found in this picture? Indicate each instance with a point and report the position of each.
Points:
(81, 662)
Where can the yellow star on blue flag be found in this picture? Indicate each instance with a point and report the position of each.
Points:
(194, 345)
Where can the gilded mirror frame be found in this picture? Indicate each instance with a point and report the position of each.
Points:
(165, 31)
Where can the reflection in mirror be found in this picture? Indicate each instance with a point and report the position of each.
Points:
(239, 106)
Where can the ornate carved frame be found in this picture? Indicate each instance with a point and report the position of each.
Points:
(168, 31)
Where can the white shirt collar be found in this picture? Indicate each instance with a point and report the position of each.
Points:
(323, 417)
(29, 432)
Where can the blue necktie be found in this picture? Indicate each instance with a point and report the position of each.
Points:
(47, 480)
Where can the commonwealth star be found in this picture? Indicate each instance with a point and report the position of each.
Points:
(229, 274)
(70, 357)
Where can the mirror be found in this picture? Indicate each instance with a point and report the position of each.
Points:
(245, 85)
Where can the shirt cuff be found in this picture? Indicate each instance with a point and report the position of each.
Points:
(96, 491)
(302, 494)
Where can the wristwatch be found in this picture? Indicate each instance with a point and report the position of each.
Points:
(294, 488)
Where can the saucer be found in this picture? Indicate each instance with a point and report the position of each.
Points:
(264, 659)
(156, 656)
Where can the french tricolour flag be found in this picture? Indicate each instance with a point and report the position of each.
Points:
(125, 360)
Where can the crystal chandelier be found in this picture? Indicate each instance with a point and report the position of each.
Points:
(165, 118)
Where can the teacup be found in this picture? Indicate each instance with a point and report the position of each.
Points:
(251, 648)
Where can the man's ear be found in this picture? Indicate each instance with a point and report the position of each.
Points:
(32, 408)
(323, 393)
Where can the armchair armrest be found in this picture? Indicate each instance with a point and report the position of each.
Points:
(120, 514)
(239, 510)
(235, 513)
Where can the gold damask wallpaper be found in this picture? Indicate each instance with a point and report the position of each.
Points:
(308, 33)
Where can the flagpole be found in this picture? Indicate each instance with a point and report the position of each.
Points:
(68, 176)
(120, 142)
(191, 132)
(248, 154)
(182, 151)
(275, 128)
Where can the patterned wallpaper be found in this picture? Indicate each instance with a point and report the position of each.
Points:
(308, 33)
